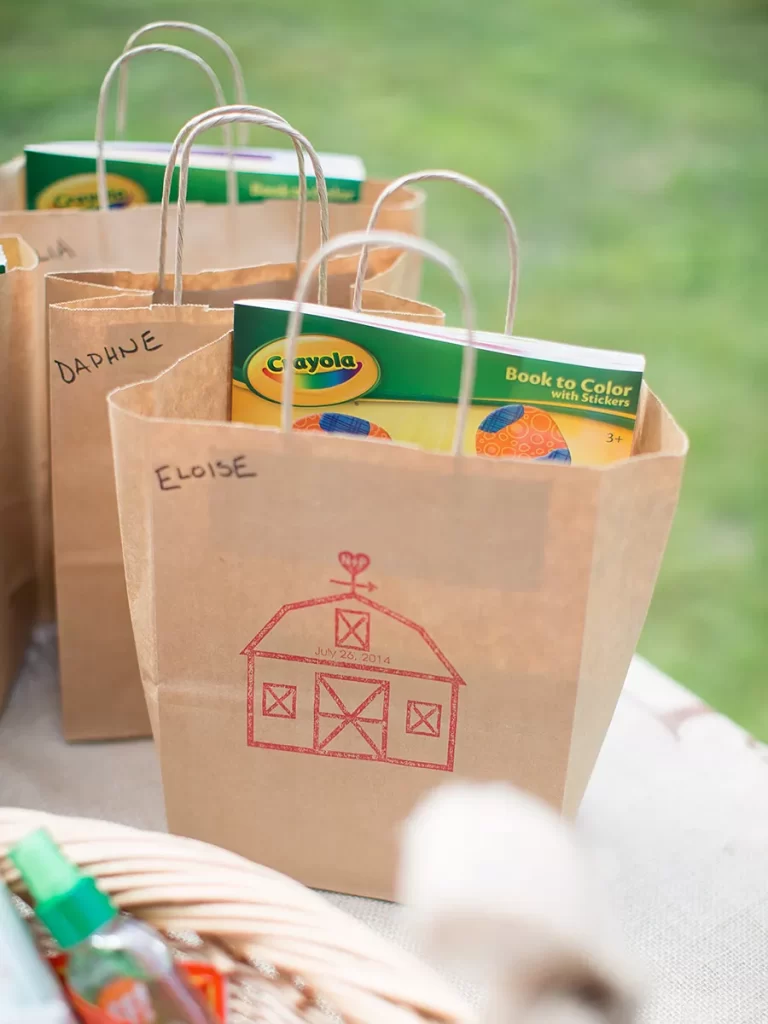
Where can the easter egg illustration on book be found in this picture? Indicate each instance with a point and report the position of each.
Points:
(523, 432)
(340, 423)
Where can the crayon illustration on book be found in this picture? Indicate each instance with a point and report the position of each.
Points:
(342, 675)
(340, 423)
(524, 431)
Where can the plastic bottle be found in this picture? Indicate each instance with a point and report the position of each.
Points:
(117, 964)
(29, 992)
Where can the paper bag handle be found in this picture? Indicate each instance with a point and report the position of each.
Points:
(473, 186)
(378, 239)
(214, 121)
(101, 171)
(232, 174)
(187, 26)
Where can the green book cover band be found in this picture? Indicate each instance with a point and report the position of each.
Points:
(57, 179)
(418, 368)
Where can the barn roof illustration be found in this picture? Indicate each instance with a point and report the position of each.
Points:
(352, 600)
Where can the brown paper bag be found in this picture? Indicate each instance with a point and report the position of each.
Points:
(325, 625)
(93, 346)
(20, 471)
(251, 233)
(215, 236)
(116, 340)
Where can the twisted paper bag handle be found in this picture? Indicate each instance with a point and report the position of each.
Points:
(186, 26)
(101, 110)
(473, 186)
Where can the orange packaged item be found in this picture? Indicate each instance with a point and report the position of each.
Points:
(209, 982)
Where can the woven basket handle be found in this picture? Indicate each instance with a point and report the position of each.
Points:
(232, 192)
(186, 26)
(473, 186)
(377, 239)
(216, 119)
(101, 170)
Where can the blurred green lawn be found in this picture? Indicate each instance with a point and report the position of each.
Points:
(629, 140)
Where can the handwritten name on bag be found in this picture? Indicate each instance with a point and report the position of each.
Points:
(56, 251)
(112, 354)
(172, 478)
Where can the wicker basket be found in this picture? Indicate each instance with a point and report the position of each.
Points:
(288, 953)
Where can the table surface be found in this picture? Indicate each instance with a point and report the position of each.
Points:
(677, 809)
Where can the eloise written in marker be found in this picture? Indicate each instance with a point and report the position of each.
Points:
(173, 478)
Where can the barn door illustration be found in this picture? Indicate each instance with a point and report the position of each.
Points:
(351, 716)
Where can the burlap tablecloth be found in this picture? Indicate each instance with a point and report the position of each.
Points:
(678, 808)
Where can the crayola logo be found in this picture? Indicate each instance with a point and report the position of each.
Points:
(329, 371)
(78, 192)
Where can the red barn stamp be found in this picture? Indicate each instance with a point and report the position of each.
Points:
(345, 676)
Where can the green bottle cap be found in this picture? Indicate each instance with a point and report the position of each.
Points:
(67, 901)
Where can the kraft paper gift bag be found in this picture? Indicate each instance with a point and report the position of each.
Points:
(21, 474)
(327, 625)
(117, 340)
(99, 238)
(107, 338)
(215, 236)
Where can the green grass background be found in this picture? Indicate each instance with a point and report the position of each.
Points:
(629, 139)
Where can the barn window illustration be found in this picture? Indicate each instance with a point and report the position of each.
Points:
(345, 676)
(278, 700)
(353, 629)
(423, 718)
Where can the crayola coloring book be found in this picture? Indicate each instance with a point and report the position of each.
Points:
(61, 175)
(372, 377)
